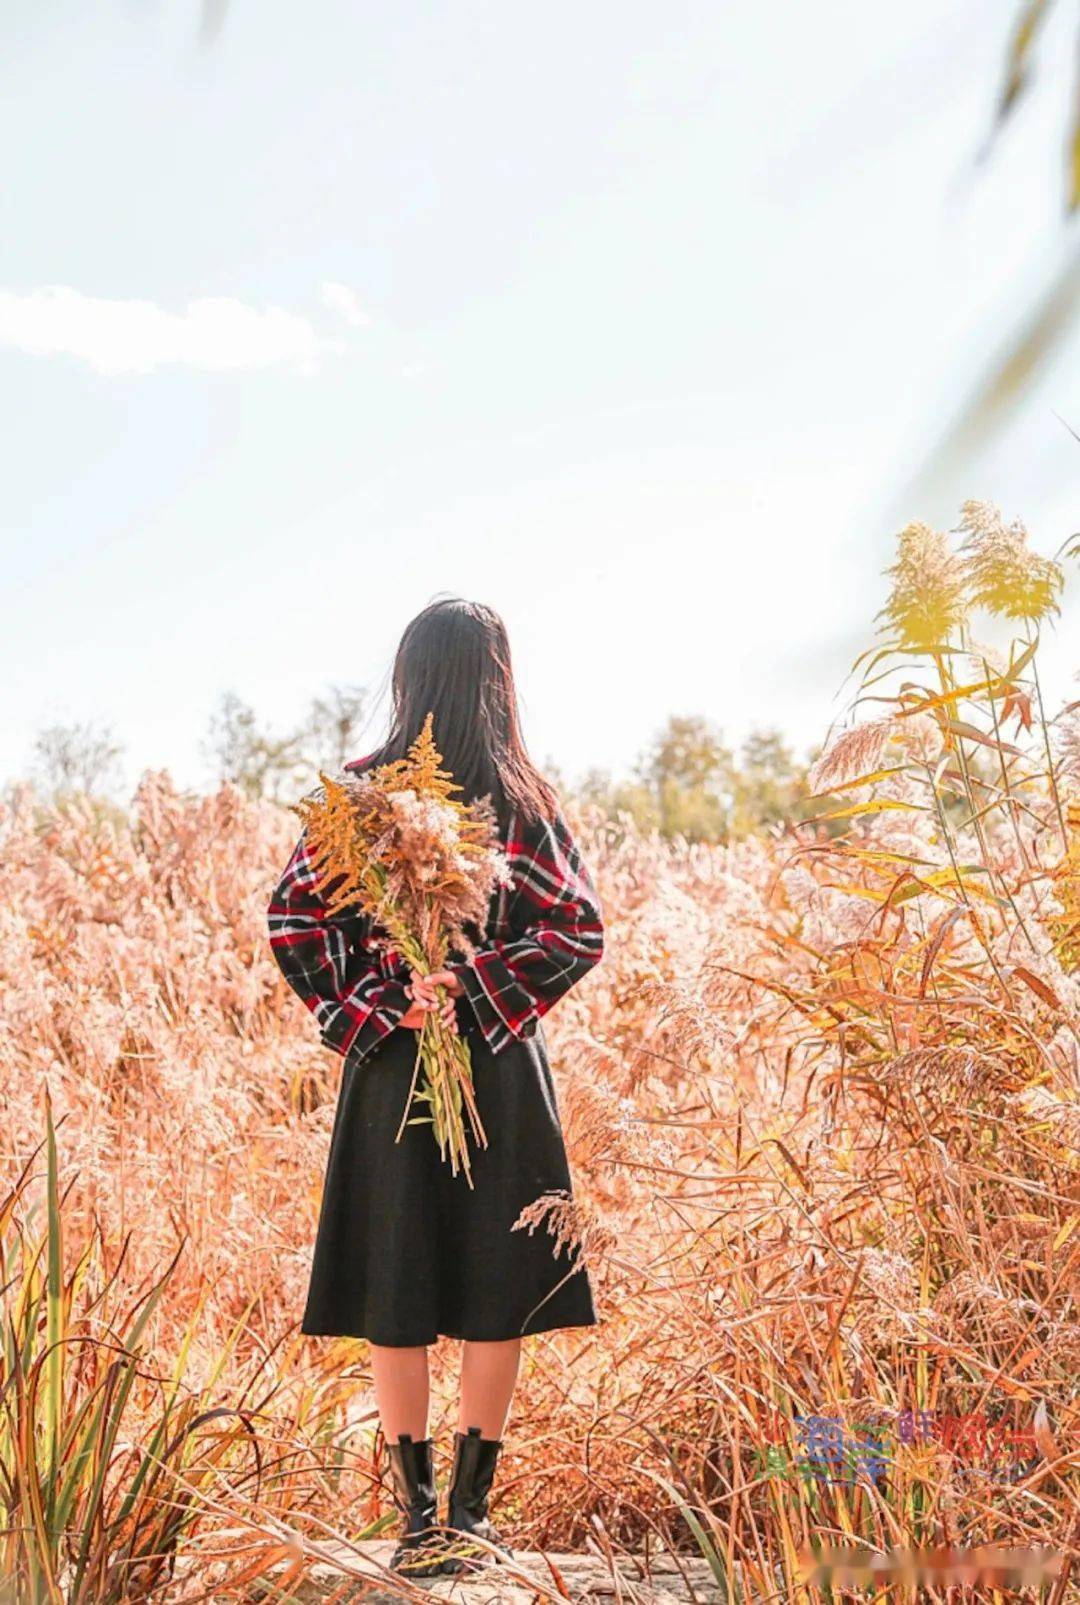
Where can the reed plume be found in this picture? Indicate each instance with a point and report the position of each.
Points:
(927, 602)
(1002, 573)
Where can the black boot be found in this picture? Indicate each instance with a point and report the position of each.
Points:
(422, 1548)
(470, 1484)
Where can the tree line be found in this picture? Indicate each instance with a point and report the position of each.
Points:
(688, 781)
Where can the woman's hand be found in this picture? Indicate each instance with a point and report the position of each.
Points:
(423, 989)
(428, 985)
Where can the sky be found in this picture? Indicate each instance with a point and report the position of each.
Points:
(643, 324)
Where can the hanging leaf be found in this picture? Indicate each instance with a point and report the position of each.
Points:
(1018, 58)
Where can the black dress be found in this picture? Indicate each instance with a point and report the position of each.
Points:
(405, 1250)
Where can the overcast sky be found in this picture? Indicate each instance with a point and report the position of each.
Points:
(632, 320)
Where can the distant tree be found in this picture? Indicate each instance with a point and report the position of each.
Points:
(71, 758)
(265, 764)
(261, 763)
(333, 726)
(770, 785)
(689, 783)
(690, 773)
(633, 797)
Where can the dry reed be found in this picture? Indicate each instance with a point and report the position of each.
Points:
(822, 1101)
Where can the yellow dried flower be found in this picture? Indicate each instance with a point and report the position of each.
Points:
(397, 845)
(1003, 574)
(927, 601)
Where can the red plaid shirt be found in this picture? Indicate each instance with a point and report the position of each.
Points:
(544, 932)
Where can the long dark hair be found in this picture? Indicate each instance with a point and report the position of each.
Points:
(454, 663)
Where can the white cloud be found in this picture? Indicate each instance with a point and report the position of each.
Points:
(216, 333)
(339, 298)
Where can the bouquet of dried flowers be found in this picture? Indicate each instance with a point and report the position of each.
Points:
(397, 844)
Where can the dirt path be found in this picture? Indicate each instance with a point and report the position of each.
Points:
(583, 1577)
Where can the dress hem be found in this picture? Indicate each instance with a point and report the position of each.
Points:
(457, 1337)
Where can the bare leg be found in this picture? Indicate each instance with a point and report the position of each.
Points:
(401, 1390)
(488, 1374)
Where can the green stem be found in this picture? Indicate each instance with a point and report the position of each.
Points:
(975, 817)
(965, 899)
(1011, 802)
(1050, 770)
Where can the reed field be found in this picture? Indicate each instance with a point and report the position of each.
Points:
(822, 1102)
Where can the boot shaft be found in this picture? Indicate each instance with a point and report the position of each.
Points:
(413, 1472)
(475, 1459)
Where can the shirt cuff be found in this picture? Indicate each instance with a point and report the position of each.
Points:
(381, 1012)
(504, 1011)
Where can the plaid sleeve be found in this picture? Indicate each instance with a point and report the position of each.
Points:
(555, 910)
(355, 990)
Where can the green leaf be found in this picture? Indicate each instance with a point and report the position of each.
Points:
(703, 1540)
(878, 805)
(1018, 59)
(55, 1310)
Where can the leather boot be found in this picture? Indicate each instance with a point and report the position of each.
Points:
(422, 1547)
(470, 1484)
